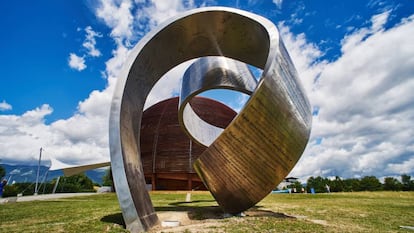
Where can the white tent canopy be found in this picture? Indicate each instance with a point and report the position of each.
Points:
(70, 170)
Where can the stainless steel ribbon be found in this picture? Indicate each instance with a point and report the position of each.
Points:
(244, 161)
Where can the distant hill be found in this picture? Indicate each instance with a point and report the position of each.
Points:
(27, 173)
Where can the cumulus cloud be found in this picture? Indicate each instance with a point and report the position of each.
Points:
(123, 18)
(117, 15)
(90, 42)
(129, 20)
(364, 123)
(4, 106)
(114, 64)
(18, 134)
(79, 139)
(352, 40)
(76, 62)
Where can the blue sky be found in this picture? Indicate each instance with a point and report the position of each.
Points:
(59, 62)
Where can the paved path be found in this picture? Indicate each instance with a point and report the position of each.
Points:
(43, 197)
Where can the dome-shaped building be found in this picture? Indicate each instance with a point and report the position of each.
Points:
(167, 153)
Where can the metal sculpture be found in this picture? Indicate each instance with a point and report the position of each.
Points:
(248, 158)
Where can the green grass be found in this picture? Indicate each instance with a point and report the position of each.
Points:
(349, 212)
(336, 212)
(80, 214)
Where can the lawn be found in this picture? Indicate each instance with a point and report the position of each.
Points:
(335, 212)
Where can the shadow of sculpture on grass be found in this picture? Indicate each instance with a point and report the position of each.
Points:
(201, 212)
(257, 212)
(114, 218)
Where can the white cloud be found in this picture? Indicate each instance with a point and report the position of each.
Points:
(76, 62)
(378, 21)
(117, 15)
(79, 139)
(160, 10)
(114, 64)
(405, 167)
(278, 3)
(20, 135)
(123, 21)
(5, 106)
(359, 36)
(365, 97)
(90, 42)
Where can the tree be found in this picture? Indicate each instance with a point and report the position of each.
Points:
(370, 183)
(407, 183)
(352, 185)
(318, 183)
(392, 184)
(76, 183)
(297, 186)
(107, 179)
(10, 191)
(337, 185)
(2, 172)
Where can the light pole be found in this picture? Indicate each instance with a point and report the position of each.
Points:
(38, 170)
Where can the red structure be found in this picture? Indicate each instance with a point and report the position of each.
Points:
(167, 153)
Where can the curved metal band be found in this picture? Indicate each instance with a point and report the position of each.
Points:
(272, 141)
(206, 74)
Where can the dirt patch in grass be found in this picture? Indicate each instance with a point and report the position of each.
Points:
(209, 219)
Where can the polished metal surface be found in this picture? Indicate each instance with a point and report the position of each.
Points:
(206, 74)
(259, 147)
